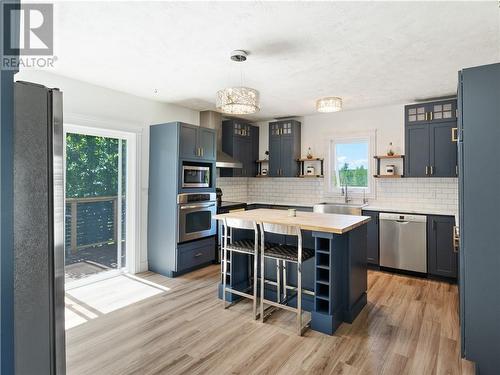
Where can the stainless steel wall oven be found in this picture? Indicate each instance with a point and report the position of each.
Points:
(196, 213)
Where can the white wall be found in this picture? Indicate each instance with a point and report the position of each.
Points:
(388, 121)
(86, 104)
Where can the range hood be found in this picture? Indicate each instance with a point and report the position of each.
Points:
(213, 120)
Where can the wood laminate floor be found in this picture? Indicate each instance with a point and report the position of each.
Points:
(150, 324)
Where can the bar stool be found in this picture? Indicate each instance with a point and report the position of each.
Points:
(250, 247)
(283, 253)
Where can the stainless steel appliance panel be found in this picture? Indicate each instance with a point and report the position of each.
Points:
(403, 241)
(196, 216)
(195, 176)
(38, 231)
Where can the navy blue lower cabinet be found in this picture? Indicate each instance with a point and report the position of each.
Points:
(372, 245)
(441, 256)
(194, 254)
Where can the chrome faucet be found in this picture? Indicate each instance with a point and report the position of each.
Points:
(345, 193)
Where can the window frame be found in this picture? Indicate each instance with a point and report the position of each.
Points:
(352, 137)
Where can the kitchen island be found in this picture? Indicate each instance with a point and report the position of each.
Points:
(336, 277)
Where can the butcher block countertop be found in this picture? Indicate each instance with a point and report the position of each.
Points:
(319, 222)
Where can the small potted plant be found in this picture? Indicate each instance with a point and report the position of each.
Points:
(390, 150)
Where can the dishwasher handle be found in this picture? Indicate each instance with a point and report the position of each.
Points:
(400, 218)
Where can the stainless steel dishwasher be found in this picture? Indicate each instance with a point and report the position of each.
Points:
(403, 241)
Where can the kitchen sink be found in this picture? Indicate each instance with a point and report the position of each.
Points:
(339, 208)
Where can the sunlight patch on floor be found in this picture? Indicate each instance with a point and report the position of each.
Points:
(101, 297)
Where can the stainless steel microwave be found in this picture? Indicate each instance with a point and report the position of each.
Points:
(195, 176)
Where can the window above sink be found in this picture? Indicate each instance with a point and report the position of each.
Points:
(350, 162)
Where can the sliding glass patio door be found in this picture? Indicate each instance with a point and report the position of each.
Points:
(97, 199)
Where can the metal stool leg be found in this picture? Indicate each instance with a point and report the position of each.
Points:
(278, 281)
(255, 270)
(224, 272)
(262, 277)
(299, 289)
(284, 281)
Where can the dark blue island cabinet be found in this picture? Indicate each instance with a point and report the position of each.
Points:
(334, 280)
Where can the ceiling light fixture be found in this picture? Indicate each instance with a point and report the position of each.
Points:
(329, 104)
(238, 100)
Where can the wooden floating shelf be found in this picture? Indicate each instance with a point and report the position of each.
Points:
(389, 157)
(388, 176)
(311, 176)
(312, 159)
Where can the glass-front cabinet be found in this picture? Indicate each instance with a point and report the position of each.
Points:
(445, 110)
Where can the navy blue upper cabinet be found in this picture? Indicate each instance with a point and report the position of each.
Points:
(441, 255)
(284, 148)
(417, 150)
(241, 141)
(188, 142)
(207, 143)
(196, 142)
(443, 149)
(430, 144)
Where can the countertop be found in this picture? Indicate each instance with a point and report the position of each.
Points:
(329, 223)
(409, 210)
(375, 207)
(227, 204)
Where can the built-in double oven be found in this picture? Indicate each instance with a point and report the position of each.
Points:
(196, 213)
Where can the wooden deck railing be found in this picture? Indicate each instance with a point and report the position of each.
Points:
(91, 221)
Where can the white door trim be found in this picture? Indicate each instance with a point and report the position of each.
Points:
(133, 180)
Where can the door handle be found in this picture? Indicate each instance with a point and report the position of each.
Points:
(454, 134)
(426, 170)
(431, 116)
(202, 151)
(193, 206)
(198, 255)
(432, 170)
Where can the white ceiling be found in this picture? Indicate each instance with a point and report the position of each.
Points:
(369, 53)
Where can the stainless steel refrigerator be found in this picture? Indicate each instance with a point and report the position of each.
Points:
(39, 332)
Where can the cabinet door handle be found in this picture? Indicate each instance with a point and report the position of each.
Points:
(454, 134)
(426, 170)
(198, 255)
(426, 116)
(202, 151)
(431, 116)
(432, 170)
(456, 170)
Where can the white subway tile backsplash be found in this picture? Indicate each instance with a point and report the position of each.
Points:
(424, 193)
